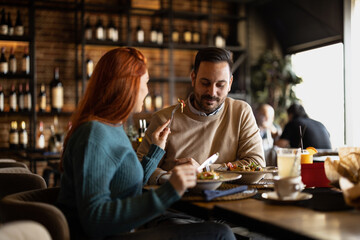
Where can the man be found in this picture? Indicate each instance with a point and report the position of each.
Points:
(269, 131)
(210, 122)
(314, 133)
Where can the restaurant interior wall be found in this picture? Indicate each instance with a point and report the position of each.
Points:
(56, 45)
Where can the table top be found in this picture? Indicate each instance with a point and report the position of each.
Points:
(299, 220)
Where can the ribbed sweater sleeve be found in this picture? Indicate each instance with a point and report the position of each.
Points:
(107, 182)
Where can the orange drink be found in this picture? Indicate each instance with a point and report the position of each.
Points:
(307, 155)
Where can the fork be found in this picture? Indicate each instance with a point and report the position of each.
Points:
(172, 114)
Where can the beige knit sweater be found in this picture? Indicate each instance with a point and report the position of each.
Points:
(232, 132)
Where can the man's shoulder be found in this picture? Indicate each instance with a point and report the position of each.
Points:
(236, 103)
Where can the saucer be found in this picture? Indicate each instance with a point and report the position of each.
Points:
(274, 197)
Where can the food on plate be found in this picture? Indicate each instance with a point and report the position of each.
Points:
(182, 104)
(252, 167)
(208, 175)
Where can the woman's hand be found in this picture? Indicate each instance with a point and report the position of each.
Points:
(160, 135)
(183, 177)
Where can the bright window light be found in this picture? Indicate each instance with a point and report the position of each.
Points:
(322, 89)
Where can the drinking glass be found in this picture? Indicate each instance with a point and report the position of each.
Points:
(288, 161)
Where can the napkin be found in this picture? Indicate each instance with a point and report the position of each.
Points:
(211, 194)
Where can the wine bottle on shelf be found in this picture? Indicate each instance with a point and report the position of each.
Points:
(116, 34)
(175, 36)
(89, 67)
(160, 35)
(187, 36)
(153, 33)
(158, 102)
(99, 30)
(110, 30)
(10, 25)
(219, 39)
(196, 39)
(57, 93)
(3, 23)
(40, 139)
(25, 62)
(27, 98)
(13, 135)
(13, 99)
(2, 99)
(23, 136)
(4, 66)
(140, 35)
(19, 27)
(88, 30)
(21, 97)
(42, 98)
(12, 62)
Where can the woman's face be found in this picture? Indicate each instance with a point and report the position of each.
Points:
(143, 91)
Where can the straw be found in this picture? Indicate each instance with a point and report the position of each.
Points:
(301, 139)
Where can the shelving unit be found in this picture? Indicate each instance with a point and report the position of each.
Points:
(169, 17)
(28, 40)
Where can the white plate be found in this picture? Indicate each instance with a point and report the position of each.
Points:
(274, 197)
(212, 184)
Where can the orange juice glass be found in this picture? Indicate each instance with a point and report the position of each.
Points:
(306, 157)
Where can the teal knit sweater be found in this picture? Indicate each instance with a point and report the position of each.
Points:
(103, 179)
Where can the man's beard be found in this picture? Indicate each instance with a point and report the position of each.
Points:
(205, 107)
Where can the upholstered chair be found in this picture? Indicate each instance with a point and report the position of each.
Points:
(37, 205)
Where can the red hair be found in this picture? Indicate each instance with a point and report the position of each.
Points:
(112, 89)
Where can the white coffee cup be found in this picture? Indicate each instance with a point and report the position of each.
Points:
(288, 188)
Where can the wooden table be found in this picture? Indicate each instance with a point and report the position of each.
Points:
(288, 222)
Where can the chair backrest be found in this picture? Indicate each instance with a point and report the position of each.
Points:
(6, 164)
(37, 205)
(7, 160)
(14, 181)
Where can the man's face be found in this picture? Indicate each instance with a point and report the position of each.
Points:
(211, 85)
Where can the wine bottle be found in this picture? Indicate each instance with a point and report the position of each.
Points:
(160, 35)
(187, 36)
(89, 67)
(40, 139)
(3, 24)
(175, 36)
(19, 27)
(23, 136)
(196, 36)
(10, 25)
(57, 92)
(116, 34)
(27, 98)
(25, 62)
(88, 30)
(13, 99)
(2, 99)
(4, 66)
(219, 39)
(42, 98)
(13, 135)
(99, 30)
(153, 33)
(21, 98)
(110, 30)
(140, 35)
(12, 62)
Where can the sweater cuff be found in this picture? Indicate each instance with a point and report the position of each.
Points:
(155, 152)
(167, 194)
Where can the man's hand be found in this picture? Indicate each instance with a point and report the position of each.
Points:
(190, 161)
(160, 135)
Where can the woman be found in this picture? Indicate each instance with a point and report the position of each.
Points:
(101, 188)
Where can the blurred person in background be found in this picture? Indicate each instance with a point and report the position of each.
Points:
(314, 133)
(269, 131)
